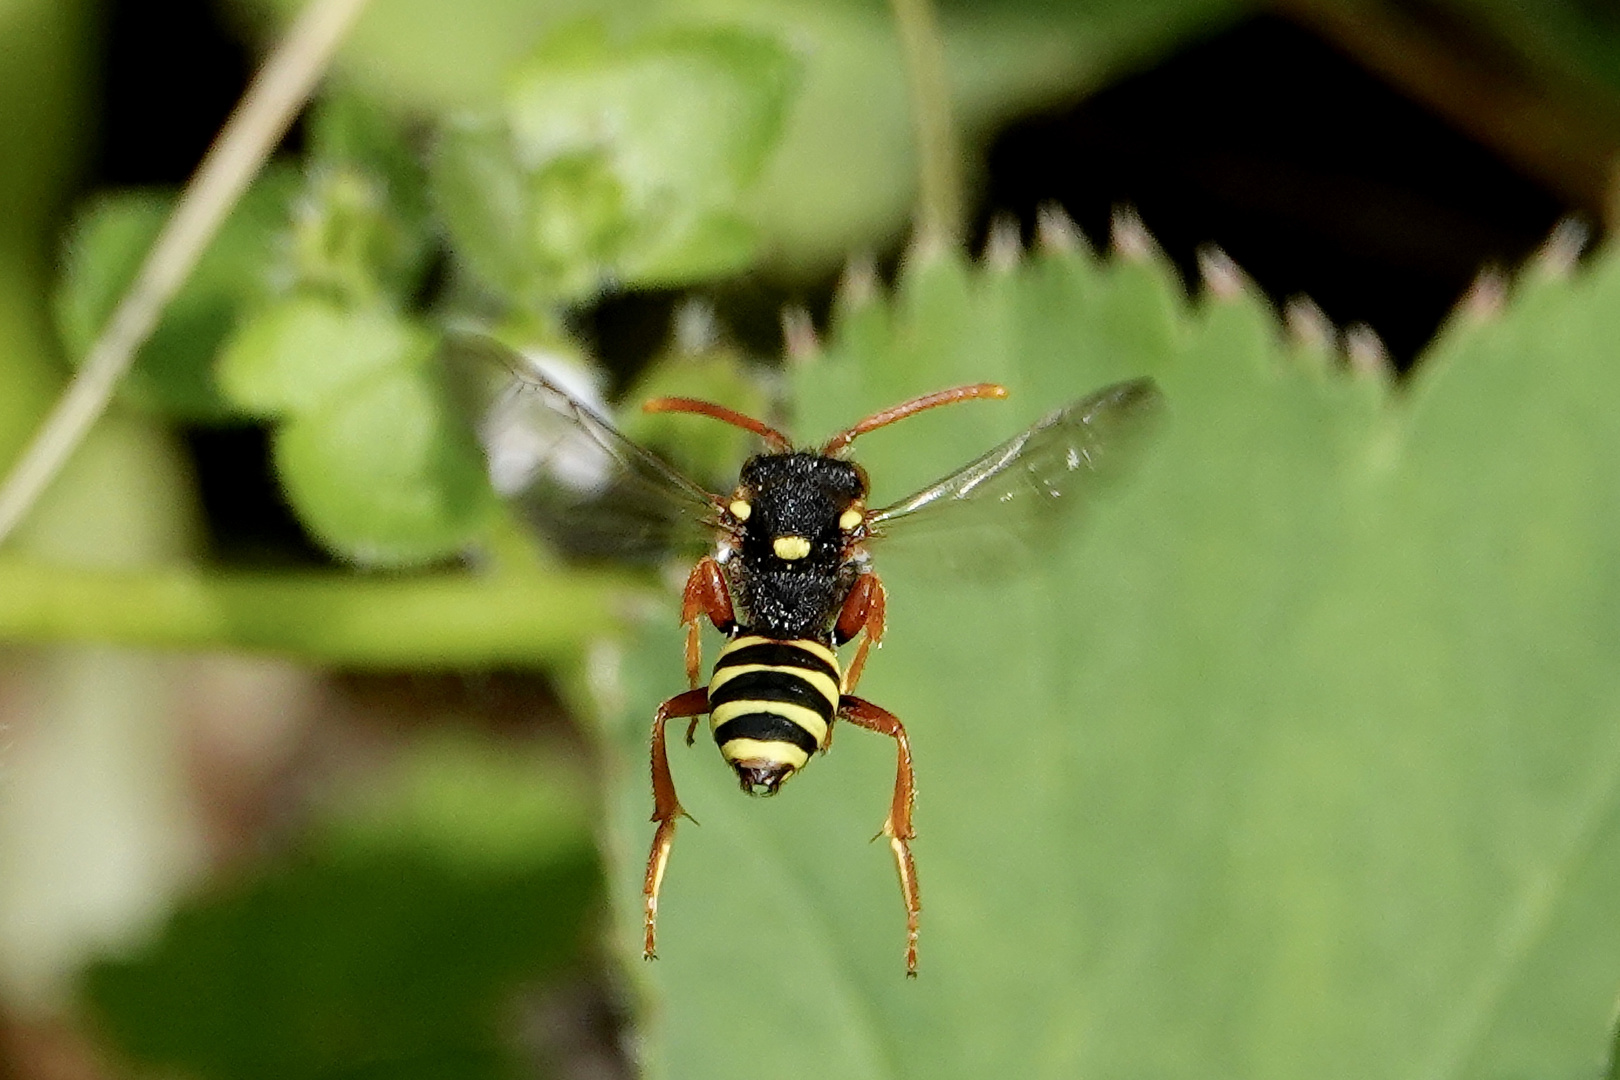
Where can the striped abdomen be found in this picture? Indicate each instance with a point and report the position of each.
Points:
(771, 705)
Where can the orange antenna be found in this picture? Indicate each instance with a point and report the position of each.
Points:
(774, 438)
(838, 442)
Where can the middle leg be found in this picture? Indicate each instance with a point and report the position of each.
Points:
(706, 593)
(863, 609)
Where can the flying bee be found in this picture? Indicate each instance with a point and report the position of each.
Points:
(787, 572)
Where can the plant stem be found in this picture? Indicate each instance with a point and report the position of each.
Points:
(939, 158)
(276, 95)
(426, 620)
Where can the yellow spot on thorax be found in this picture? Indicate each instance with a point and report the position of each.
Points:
(789, 548)
(740, 509)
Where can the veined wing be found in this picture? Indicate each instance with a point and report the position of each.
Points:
(567, 470)
(1011, 500)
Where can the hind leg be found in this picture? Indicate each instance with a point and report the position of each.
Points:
(666, 807)
(897, 826)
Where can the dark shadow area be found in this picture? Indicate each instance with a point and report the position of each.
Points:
(172, 71)
(249, 522)
(1314, 175)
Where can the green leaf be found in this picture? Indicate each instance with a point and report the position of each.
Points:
(382, 473)
(105, 247)
(297, 354)
(682, 119)
(691, 111)
(356, 130)
(616, 160)
(482, 198)
(392, 949)
(362, 229)
(1302, 758)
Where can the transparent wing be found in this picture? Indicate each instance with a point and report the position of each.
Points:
(1015, 499)
(570, 474)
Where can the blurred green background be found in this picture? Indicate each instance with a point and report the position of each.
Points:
(1301, 756)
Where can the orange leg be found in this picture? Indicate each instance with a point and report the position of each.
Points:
(897, 826)
(863, 610)
(705, 594)
(666, 807)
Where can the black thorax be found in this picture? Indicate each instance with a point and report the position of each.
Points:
(793, 497)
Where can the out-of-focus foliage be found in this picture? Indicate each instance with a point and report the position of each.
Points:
(610, 161)
(382, 474)
(1301, 760)
(615, 162)
(106, 248)
(1581, 38)
(391, 946)
(1298, 760)
(844, 175)
(266, 368)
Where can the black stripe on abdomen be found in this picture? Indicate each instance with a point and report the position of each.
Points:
(765, 727)
(775, 685)
(776, 654)
(771, 705)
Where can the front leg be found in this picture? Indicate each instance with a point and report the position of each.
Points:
(706, 593)
(666, 807)
(863, 609)
(897, 826)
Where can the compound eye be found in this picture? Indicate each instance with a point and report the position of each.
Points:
(852, 517)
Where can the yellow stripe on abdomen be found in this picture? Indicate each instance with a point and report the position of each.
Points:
(753, 751)
(798, 715)
(826, 684)
(771, 704)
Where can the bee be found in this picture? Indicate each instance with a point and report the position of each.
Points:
(787, 575)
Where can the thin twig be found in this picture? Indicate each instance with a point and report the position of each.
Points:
(275, 97)
(939, 212)
(427, 619)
